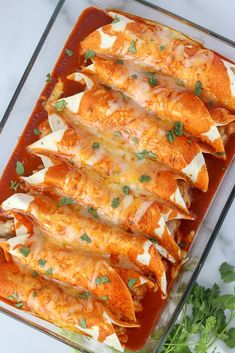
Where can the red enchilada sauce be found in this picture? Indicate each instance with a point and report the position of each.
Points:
(90, 20)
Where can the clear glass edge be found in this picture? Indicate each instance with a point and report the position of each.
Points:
(215, 231)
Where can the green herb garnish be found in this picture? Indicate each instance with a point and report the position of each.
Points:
(93, 212)
(14, 185)
(68, 52)
(96, 145)
(48, 78)
(162, 47)
(60, 105)
(24, 251)
(144, 154)
(119, 61)
(131, 282)
(134, 76)
(36, 132)
(180, 82)
(104, 298)
(198, 88)
(153, 81)
(135, 140)
(34, 273)
(182, 244)
(89, 54)
(178, 128)
(19, 305)
(66, 201)
(82, 323)
(49, 271)
(206, 318)
(144, 178)
(126, 190)
(86, 238)
(14, 297)
(84, 295)
(170, 136)
(132, 47)
(42, 262)
(102, 279)
(19, 168)
(35, 293)
(115, 202)
(116, 19)
(117, 134)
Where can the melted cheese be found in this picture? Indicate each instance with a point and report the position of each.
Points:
(145, 257)
(142, 210)
(193, 168)
(230, 71)
(49, 142)
(213, 134)
(120, 25)
(106, 40)
(56, 122)
(17, 201)
(73, 102)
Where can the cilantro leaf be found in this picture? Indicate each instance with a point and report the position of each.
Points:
(93, 212)
(230, 340)
(132, 47)
(19, 168)
(89, 54)
(198, 88)
(226, 301)
(68, 52)
(227, 272)
(60, 105)
(66, 201)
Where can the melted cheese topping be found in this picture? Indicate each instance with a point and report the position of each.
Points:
(49, 142)
(193, 168)
(213, 134)
(231, 76)
(17, 201)
(106, 40)
(73, 102)
(145, 257)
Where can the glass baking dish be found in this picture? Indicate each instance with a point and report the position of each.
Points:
(20, 108)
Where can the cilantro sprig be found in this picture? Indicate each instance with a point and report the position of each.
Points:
(205, 319)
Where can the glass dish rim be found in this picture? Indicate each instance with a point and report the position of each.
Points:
(222, 215)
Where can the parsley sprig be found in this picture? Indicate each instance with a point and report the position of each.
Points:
(207, 315)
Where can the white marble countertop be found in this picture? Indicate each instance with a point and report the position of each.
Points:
(22, 23)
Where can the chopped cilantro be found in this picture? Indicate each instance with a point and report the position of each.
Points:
(93, 212)
(49, 271)
(66, 201)
(24, 251)
(68, 52)
(19, 305)
(126, 190)
(104, 298)
(119, 61)
(42, 262)
(198, 88)
(135, 140)
(115, 202)
(116, 19)
(96, 145)
(36, 132)
(178, 128)
(131, 282)
(153, 81)
(82, 323)
(170, 136)
(35, 293)
(162, 47)
(19, 168)
(60, 104)
(145, 153)
(84, 295)
(14, 297)
(14, 185)
(144, 178)
(49, 78)
(134, 76)
(89, 54)
(86, 238)
(132, 47)
(180, 82)
(117, 134)
(102, 279)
